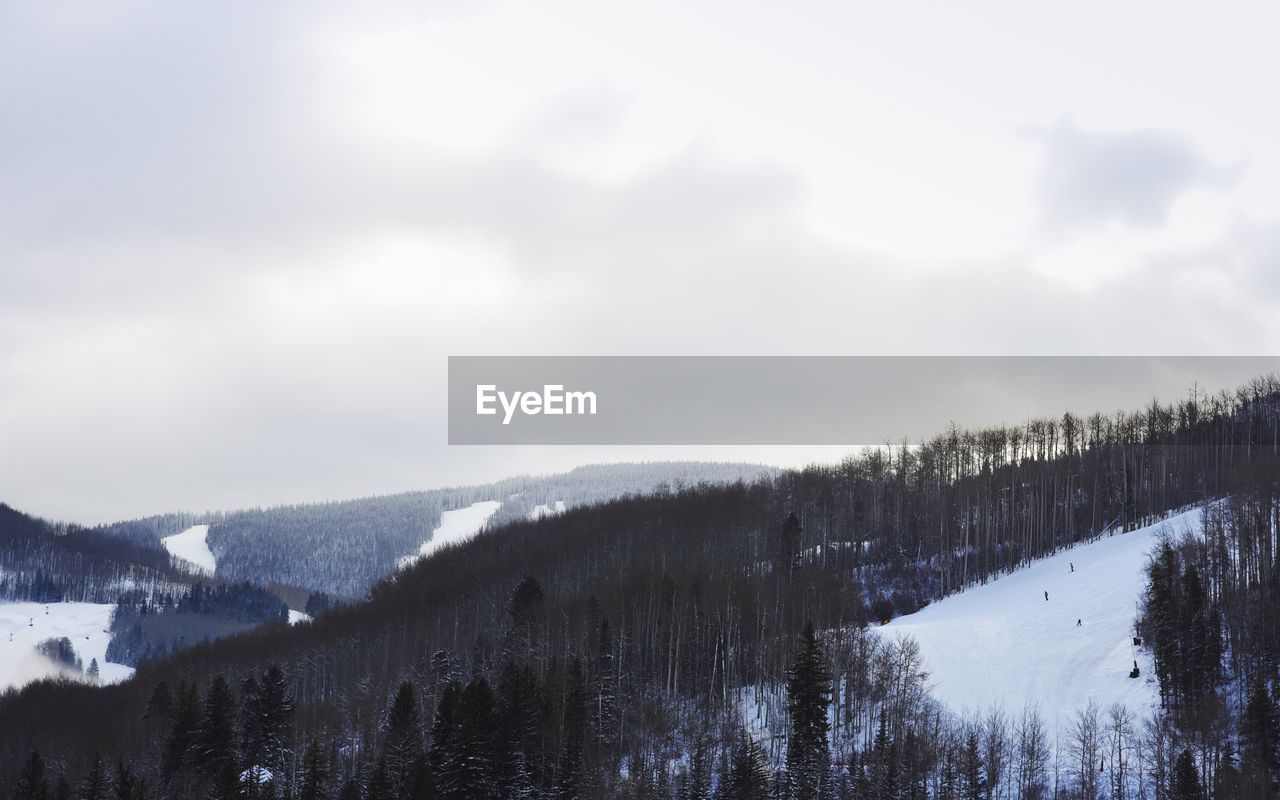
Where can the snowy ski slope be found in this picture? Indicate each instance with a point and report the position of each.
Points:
(455, 526)
(24, 625)
(191, 546)
(1004, 644)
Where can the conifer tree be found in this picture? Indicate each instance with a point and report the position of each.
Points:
(33, 782)
(1260, 732)
(126, 783)
(96, 785)
(697, 784)
(569, 772)
(809, 695)
(274, 714)
(422, 784)
(183, 727)
(379, 787)
(1226, 781)
(1186, 779)
(470, 774)
(444, 745)
(350, 790)
(215, 736)
(315, 774)
(402, 742)
(605, 712)
(517, 740)
(972, 778)
(748, 773)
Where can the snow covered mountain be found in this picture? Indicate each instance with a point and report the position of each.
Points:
(23, 626)
(1015, 641)
(193, 548)
(343, 548)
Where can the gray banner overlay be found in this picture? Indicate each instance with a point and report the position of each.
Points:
(818, 400)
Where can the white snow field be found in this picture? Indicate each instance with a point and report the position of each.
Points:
(1004, 644)
(24, 625)
(455, 526)
(191, 546)
(544, 510)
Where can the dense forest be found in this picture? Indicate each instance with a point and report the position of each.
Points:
(343, 548)
(712, 641)
(148, 625)
(49, 563)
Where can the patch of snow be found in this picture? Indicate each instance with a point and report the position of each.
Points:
(1004, 644)
(25, 625)
(297, 616)
(544, 510)
(455, 526)
(191, 546)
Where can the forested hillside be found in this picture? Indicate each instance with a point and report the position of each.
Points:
(629, 649)
(343, 548)
(51, 563)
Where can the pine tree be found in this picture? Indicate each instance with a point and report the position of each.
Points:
(126, 782)
(422, 784)
(947, 776)
(605, 713)
(96, 785)
(569, 778)
(315, 774)
(379, 787)
(1260, 732)
(1226, 781)
(402, 743)
(350, 790)
(33, 783)
(698, 778)
(215, 737)
(748, 773)
(972, 778)
(251, 745)
(809, 695)
(470, 776)
(225, 784)
(1186, 779)
(274, 714)
(444, 746)
(92, 672)
(517, 740)
(183, 727)
(160, 705)
(786, 555)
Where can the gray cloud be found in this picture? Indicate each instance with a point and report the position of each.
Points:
(202, 302)
(1131, 177)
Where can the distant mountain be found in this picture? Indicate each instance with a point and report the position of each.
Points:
(721, 636)
(47, 562)
(343, 548)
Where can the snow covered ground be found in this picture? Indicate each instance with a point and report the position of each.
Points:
(296, 617)
(191, 546)
(24, 625)
(1004, 644)
(543, 510)
(455, 526)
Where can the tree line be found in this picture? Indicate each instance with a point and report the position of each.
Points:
(684, 612)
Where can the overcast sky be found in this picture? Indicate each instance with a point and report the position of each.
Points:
(239, 240)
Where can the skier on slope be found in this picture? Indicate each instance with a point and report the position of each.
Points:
(1046, 595)
(1073, 565)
